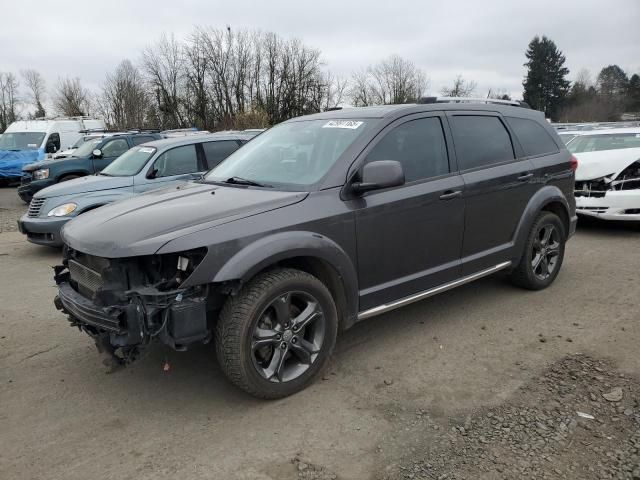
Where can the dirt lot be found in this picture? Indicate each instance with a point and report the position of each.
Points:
(481, 382)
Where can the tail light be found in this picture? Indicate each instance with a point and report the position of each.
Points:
(573, 163)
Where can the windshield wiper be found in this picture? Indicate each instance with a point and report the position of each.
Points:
(245, 181)
(105, 174)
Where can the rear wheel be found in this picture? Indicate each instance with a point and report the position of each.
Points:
(277, 334)
(543, 253)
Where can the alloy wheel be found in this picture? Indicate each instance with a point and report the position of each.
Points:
(545, 252)
(288, 336)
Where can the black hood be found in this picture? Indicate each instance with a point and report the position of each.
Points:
(142, 224)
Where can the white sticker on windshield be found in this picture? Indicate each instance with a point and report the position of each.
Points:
(32, 145)
(350, 124)
(146, 150)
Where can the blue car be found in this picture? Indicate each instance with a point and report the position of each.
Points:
(149, 166)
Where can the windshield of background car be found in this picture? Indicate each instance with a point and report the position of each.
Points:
(130, 162)
(87, 147)
(293, 155)
(81, 140)
(21, 140)
(597, 143)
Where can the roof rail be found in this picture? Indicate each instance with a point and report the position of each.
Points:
(513, 103)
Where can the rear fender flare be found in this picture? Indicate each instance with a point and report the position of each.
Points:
(278, 247)
(543, 197)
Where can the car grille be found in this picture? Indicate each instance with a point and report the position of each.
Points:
(35, 206)
(85, 277)
(594, 209)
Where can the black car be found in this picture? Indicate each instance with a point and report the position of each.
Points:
(318, 223)
(89, 158)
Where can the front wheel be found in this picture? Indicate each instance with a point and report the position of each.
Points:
(277, 334)
(543, 253)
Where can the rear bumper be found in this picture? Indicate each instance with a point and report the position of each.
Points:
(615, 205)
(43, 231)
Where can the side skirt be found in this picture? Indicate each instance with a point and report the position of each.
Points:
(387, 307)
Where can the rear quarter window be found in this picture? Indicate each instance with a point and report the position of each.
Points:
(533, 138)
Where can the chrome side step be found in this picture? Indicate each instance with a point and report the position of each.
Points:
(387, 307)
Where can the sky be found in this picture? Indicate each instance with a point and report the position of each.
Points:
(483, 41)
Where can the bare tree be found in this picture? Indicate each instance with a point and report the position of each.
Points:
(460, 88)
(71, 98)
(164, 67)
(498, 94)
(8, 99)
(335, 90)
(36, 90)
(124, 100)
(393, 80)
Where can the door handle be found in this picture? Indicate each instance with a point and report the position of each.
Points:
(449, 194)
(525, 176)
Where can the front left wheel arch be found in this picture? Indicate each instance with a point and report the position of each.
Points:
(307, 251)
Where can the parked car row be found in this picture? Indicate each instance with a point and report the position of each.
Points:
(318, 223)
(125, 168)
(28, 141)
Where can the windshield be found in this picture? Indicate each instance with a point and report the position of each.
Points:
(81, 140)
(21, 140)
(87, 147)
(567, 137)
(129, 163)
(597, 143)
(292, 155)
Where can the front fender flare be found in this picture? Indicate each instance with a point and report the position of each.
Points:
(286, 245)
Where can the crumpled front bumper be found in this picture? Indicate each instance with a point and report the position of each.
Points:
(614, 205)
(176, 319)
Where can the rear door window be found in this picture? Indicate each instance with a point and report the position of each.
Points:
(177, 161)
(420, 147)
(535, 140)
(480, 141)
(215, 152)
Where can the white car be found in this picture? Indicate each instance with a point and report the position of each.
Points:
(608, 174)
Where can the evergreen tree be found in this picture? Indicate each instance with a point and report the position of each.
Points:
(612, 87)
(545, 85)
(633, 93)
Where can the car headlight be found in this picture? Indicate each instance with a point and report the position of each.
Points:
(62, 210)
(41, 174)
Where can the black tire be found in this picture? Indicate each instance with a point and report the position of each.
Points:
(66, 178)
(245, 314)
(530, 272)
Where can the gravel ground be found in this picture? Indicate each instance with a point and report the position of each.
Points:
(11, 209)
(579, 419)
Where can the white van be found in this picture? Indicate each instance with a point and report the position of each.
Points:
(28, 141)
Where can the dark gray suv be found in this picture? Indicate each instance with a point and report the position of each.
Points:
(320, 222)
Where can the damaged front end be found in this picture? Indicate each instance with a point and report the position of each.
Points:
(126, 303)
(611, 197)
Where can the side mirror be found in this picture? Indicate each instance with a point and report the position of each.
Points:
(50, 148)
(97, 153)
(378, 175)
(153, 173)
